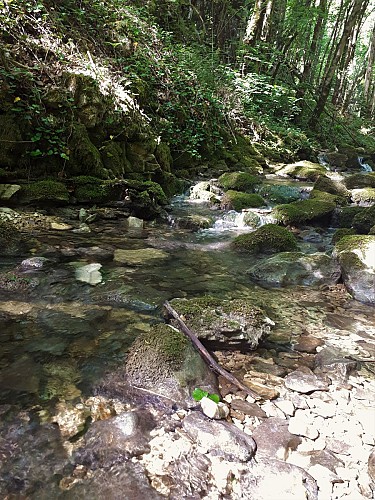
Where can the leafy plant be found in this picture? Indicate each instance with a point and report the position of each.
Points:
(199, 394)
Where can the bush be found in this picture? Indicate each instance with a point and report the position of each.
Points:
(269, 238)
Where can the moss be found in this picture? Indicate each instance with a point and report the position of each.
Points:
(151, 189)
(305, 170)
(114, 158)
(269, 238)
(88, 189)
(364, 195)
(333, 198)
(169, 183)
(363, 221)
(358, 181)
(163, 156)
(237, 201)
(85, 157)
(279, 193)
(341, 233)
(301, 212)
(239, 181)
(350, 243)
(328, 185)
(345, 216)
(48, 190)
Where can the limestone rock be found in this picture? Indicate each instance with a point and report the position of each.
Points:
(214, 410)
(305, 382)
(219, 438)
(274, 440)
(302, 424)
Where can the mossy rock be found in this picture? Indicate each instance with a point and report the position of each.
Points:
(47, 191)
(356, 255)
(358, 181)
(85, 158)
(164, 361)
(279, 193)
(344, 217)
(12, 146)
(154, 190)
(241, 154)
(338, 200)
(235, 200)
(304, 211)
(163, 156)
(89, 189)
(224, 323)
(169, 183)
(194, 222)
(239, 181)
(364, 221)
(304, 170)
(114, 159)
(327, 185)
(11, 241)
(364, 196)
(269, 238)
(341, 233)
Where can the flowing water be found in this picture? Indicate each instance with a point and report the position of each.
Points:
(59, 335)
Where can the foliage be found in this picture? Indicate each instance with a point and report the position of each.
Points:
(199, 394)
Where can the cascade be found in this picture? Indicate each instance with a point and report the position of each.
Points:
(364, 166)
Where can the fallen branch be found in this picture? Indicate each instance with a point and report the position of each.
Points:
(206, 355)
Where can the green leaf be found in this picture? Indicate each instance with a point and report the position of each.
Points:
(198, 394)
(214, 397)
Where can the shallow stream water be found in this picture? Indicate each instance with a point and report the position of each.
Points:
(59, 336)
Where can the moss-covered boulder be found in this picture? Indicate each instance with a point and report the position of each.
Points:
(163, 362)
(85, 158)
(224, 323)
(194, 222)
(364, 196)
(338, 200)
(296, 268)
(269, 238)
(356, 256)
(113, 155)
(303, 212)
(344, 217)
(48, 191)
(235, 200)
(239, 181)
(364, 221)
(89, 189)
(11, 241)
(274, 193)
(327, 185)
(341, 233)
(304, 170)
(358, 181)
(337, 159)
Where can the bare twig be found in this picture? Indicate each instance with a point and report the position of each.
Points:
(206, 355)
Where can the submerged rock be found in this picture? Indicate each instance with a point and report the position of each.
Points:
(138, 257)
(296, 268)
(228, 323)
(89, 274)
(11, 241)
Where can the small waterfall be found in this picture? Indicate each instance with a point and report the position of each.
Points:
(323, 161)
(364, 166)
(247, 219)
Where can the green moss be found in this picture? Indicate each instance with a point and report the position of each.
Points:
(346, 215)
(85, 157)
(328, 185)
(88, 189)
(269, 238)
(350, 243)
(48, 190)
(304, 211)
(358, 181)
(239, 181)
(333, 198)
(303, 170)
(237, 201)
(363, 221)
(163, 156)
(341, 233)
(364, 195)
(280, 193)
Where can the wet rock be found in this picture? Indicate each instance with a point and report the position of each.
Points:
(7, 191)
(194, 222)
(296, 268)
(89, 274)
(33, 263)
(17, 282)
(23, 375)
(11, 240)
(273, 479)
(61, 226)
(305, 382)
(100, 254)
(274, 440)
(204, 192)
(165, 363)
(139, 257)
(135, 223)
(224, 322)
(356, 256)
(219, 438)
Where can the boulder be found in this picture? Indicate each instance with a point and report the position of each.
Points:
(358, 181)
(163, 362)
(304, 170)
(296, 268)
(234, 323)
(194, 222)
(364, 197)
(239, 181)
(364, 220)
(237, 200)
(269, 238)
(280, 193)
(47, 191)
(304, 212)
(356, 256)
(11, 241)
(7, 191)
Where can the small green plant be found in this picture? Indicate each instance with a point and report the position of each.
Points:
(199, 394)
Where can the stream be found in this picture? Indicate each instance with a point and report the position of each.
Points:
(60, 335)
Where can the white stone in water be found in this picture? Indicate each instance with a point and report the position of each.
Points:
(214, 410)
(135, 223)
(89, 274)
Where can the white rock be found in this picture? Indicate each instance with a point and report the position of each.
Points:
(301, 425)
(214, 410)
(135, 223)
(272, 410)
(89, 274)
(286, 407)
